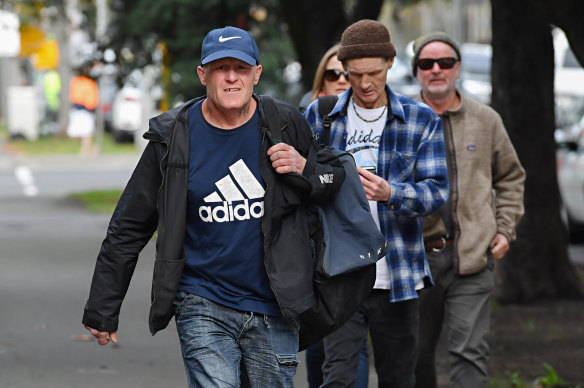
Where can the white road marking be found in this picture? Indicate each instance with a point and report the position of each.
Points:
(26, 179)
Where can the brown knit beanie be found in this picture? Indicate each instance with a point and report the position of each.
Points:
(365, 38)
(423, 40)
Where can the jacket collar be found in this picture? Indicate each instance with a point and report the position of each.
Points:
(448, 111)
(458, 109)
(160, 126)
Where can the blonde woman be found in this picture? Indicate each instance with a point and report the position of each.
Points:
(330, 78)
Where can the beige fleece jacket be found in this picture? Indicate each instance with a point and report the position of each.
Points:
(487, 188)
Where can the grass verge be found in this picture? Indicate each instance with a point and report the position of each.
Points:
(99, 201)
(60, 144)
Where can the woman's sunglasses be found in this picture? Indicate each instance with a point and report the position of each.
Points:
(444, 63)
(333, 75)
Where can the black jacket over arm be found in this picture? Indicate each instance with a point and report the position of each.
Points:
(155, 198)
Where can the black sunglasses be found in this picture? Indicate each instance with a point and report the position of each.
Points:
(444, 63)
(333, 75)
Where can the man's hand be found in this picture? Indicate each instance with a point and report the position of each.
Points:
(103, 337)
(376, 188)
(286, 159)
(499, 246)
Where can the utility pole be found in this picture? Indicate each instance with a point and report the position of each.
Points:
(100, 29)
(459, 18)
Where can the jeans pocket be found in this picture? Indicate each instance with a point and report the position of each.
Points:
(182, 301)
(288, 361)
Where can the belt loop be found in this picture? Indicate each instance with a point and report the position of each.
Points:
(443, 239)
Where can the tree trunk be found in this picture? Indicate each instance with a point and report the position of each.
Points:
(314, 26)
(537, 264)
(568, 15)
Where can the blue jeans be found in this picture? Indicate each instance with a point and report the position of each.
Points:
(224, 347)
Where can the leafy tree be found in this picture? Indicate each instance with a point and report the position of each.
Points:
(139, 25)
(523, 80)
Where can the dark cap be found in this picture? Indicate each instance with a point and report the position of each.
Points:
(230, 42)
(423, 40)
(365, 38)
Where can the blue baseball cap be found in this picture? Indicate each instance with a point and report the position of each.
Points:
(230, 42)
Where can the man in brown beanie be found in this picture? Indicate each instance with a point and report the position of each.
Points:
(399, 150)
(473, 228)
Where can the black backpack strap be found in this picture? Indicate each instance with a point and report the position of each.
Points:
(271, 121)
(325, 105)
(271, 118)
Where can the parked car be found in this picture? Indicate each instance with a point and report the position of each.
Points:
(127, 109)
(107, 93)
(569, 74)
(475, 71)
(570, 171)
(400, 78)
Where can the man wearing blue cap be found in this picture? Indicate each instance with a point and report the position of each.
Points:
(233, 262)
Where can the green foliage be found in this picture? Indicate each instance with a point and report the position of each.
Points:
(513, 381)
(138, 25)
(29, 11)
(48, 145)
(101, 201)
(551, 379)
(3, 131)
(516, 381)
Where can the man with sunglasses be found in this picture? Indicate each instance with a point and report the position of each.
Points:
(399, 149)
(473, 228)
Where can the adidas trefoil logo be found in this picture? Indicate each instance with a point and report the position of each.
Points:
(224, 210)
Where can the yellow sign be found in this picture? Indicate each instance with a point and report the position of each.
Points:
(47, 57)
(34, 43)
(31, 39)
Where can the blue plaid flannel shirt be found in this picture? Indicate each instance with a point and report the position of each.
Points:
(412, 160)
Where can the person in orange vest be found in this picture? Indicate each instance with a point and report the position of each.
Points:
(84, 98)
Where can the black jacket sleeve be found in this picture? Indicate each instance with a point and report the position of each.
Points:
(132, 225)
(323, 171)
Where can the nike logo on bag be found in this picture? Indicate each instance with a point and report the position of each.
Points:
(222, 39)
(224, 210)
(326, 178)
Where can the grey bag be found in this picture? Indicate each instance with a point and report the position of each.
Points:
(350, 236)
